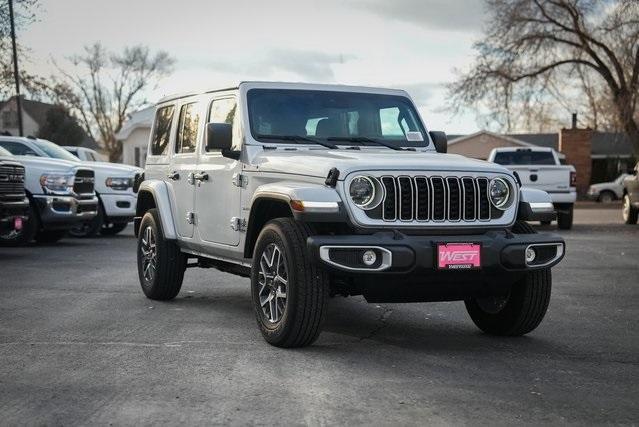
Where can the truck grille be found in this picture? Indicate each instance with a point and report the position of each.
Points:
(12, 181)
(84, 182)
(435, 198)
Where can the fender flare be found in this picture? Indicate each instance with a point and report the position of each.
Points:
(160, 193)
(535, 205)
(305, 192)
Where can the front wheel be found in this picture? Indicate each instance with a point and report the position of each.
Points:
(564, 219)
(23, 236)
(89, 228)
(629, 212)
(112, 228)
(161, 264)
(289, 289)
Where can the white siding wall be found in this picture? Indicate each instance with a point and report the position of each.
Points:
(137, 141)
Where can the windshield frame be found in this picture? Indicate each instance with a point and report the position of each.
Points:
(405, 100)
(48, 148)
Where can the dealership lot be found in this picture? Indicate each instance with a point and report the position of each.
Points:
(80, 344)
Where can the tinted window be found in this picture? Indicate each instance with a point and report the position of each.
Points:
(17, 148)
(162, 130)
(525, 157)
(55, 151)
(326, 115)
(187, 129)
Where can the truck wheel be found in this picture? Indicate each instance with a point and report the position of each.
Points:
(50, 236)
(629, 212)
(161, 264)
(288, 287)
(518, 313)
(112, 228)
(564, 219)
(89, 228)
(24, 236)
(522, 310)
(607, 197)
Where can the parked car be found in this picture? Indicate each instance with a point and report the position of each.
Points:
(320, 190)
(14, 205)
(607, 192)
(541, 168)
(85, 154)
(61, 195)
(113, 185)
(630, 210)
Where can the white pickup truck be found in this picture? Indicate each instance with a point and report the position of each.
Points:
(540, 168)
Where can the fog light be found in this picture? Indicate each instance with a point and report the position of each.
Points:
(369, 257)
(530, 255)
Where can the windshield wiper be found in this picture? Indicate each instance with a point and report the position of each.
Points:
(362, 139)
(299, 138)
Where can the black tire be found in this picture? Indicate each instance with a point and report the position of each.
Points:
(522, 310)
(112, 228)
(24, 236)
(564, 219)
(89, 228)
(629, 213)
(306, 289)
(168, 267)
(50, 236)
(607, 196)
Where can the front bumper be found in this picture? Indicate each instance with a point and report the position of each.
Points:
(65, 211)
(120, 207)
(10, 210)
(407, 267)
(563, 197)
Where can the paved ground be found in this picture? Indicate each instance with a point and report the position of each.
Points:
(79, 344)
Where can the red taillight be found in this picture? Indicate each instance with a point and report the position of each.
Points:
(573, 178)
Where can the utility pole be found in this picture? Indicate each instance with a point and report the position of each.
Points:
(15, 69)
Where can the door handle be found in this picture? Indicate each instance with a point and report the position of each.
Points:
(201, 176)
(173, 175)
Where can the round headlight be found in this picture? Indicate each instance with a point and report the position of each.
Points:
(499, 192)
(362, 191)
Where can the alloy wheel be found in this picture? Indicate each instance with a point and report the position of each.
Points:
(148, 248)
(273, 283)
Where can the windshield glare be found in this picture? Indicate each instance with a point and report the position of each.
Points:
(4, 152)
(334, 115)
(55, 151)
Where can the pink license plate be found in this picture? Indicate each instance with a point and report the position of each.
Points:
(17, 223)
(458, 256)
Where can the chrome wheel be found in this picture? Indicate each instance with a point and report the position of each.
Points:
(148, 248)
(626, 208)
(273, 283)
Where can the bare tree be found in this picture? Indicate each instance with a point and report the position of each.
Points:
(537, 51)
(105, 88)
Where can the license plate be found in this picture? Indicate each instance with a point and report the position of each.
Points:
(458, 256)
(17, 223)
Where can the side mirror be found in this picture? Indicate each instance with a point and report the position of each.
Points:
(219, 136)
(440, 140)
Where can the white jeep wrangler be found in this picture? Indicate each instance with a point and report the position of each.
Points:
(317, 190)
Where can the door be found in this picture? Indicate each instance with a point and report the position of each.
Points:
(181, 171)
(217, 196)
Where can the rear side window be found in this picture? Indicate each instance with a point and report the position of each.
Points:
(525, 157)
(162, 130)
(187, 129)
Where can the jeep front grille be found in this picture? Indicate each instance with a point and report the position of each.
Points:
(84, 182)
(435, 198)
(12, 181)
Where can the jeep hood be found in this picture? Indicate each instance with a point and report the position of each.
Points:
(317, 162)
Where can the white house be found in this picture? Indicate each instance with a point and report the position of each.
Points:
(134, 136)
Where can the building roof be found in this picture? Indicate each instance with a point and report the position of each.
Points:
(140, 119)
(603, 143)
(35, 109)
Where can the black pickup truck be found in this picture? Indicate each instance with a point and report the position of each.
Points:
(630, 210)
(14, 205)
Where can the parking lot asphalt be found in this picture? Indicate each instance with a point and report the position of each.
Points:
(80, 344)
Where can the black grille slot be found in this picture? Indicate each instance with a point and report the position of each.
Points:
(470, 196)
(439, 199)
(84, 181)
(389, 207)
(12, 181)
(406, 198)
(423, 198)
(484, 203)
(454, 199)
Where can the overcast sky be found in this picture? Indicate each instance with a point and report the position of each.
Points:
(410, 44)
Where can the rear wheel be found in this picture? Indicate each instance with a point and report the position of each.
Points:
(564, 219)
(112, 228)
(289, 289)
(519, 312)
(161, 264)
(607, 197)
(629, 212)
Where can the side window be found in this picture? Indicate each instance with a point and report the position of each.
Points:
(187, 129)
(162, 130)
(17, 149)
(222, 111)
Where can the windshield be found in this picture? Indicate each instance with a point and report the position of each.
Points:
(525, 157)
(339, 117)
(4, 152)
(55, 151)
